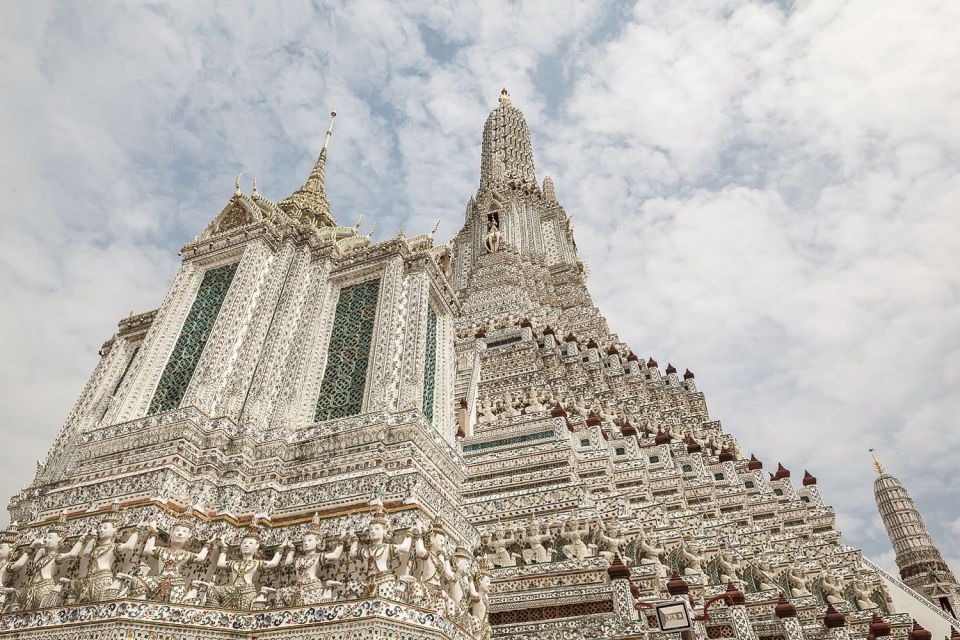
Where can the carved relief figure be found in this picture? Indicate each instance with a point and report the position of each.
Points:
(169, 584)
(309, 587)
(535, 551)
(728, 567)
(8, 595)
(502, 555)
(691, 558)
(42, 590)
(576, 548)
(460, 586)
(376, 553)
(480, 601)
(433, 566)
(609, 540)
(797, 584)
(241, 590)
(103, 551)
(831, 589)
(863, 597)
(650, 554)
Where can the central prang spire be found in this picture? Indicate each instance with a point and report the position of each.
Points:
(507, 154)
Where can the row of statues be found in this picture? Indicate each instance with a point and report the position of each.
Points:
(514, 404)
(420, 569)
(577, 540)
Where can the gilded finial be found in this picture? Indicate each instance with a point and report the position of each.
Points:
(504, 97)
(876, 463)
(326, 139)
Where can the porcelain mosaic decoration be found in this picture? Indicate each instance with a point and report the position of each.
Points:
(319, 436)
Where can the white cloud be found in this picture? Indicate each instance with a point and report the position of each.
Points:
(782, 185)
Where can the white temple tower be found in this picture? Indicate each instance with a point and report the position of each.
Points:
(921, 565)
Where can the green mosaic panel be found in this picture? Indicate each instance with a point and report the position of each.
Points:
(529, 437)
(348, 355)
(430, 368)
(193, 337)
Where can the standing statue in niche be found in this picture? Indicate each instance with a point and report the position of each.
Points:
(42, 590)
(241, 591)
(103, 551)
(376, 553)
(309, 587)
(169, 584)
(493, 237)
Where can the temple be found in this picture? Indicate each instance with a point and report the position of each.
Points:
(318, 435)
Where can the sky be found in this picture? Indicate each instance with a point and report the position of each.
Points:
(766, 192)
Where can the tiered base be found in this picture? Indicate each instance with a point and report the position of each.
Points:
(373, 619)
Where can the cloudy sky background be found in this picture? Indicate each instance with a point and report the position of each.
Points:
(767, 193)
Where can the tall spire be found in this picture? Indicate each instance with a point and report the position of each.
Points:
(310, 200)
(507, 154)
(920, 563)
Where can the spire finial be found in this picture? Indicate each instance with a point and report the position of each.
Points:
(372, 229)
(435, 227)
(236, 185)
(504, 97)
(359, 223)
(254, 193)
(326, 138)
(876, 463)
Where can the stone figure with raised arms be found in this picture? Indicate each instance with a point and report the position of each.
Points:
(310, 588)
(241, 592)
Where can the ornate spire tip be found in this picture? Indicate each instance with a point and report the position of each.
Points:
(876, 463)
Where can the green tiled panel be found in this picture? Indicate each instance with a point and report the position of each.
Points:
(430, 368)
(529, 437)
(348, 354)
(193, 337)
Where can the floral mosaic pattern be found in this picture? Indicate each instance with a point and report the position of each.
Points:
(197, 617)
(430, 367)
(193, 337)
(348, 355)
